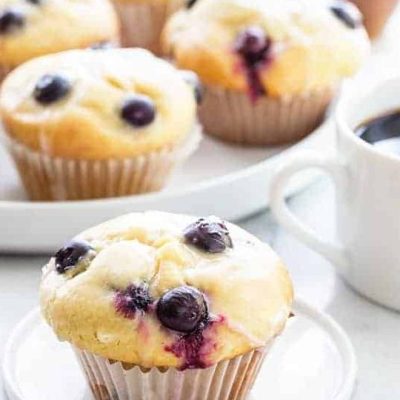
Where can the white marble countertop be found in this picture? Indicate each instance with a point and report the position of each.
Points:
(373, 330)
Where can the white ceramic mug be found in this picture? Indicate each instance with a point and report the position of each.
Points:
(367, 252)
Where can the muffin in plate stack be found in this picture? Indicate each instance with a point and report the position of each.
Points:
(88, 124)
(164, 306)
(32, 28)
(270, 67)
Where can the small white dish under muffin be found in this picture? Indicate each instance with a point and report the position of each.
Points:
(319, 362)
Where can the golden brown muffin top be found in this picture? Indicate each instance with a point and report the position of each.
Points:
(97, 104)
(280, 48)
(165, 290)
(31, 28)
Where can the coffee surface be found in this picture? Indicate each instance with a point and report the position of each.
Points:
(383, 132)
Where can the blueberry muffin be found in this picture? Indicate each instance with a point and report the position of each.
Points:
(88, 124)
(142, 21)
(270, 67)
(181, 306)
(32, 28)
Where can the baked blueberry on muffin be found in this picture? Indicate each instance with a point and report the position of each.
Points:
(181, 306)
(142, 21)
(32, 28)
(270, 67)
(97, 123)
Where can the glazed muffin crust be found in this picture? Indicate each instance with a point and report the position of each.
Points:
(308, 47)
(50, 26)
(141, 265)
(97, 104)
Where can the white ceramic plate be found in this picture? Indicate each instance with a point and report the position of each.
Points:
(231, 182)
(312, 360)
(220, 179)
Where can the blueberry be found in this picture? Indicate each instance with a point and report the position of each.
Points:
(132, 299)
(69, 256)
(10, 21)
(190, 3)
(209, 234)
(51, 88)
(138, 111)
(347, 13)
(193, 80)
(182, 309)
(253, 44)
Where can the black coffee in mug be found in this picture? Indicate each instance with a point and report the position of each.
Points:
(383, 132)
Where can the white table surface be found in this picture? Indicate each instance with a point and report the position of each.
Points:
(374, 331)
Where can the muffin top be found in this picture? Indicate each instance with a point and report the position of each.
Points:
(31, 28)
(97, 104)
(165, 290)
(278, 48)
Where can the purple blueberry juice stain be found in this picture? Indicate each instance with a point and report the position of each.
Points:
(184, 310)
(189, 349)
(254, 49)
(195, 348)
(131, 300)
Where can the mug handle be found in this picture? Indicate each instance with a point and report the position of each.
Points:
(334, 252)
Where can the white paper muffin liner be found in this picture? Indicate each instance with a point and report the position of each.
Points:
(48, 178)
(143, 22)
(226, 380)
(232, 116)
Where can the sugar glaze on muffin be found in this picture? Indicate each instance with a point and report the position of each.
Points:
(31, 28)
(97, 104)
(157, 289)
(267, 47)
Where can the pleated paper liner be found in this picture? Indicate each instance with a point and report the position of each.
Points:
(226, 380)
(142, 22)
(48, 178)
(232, 116)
